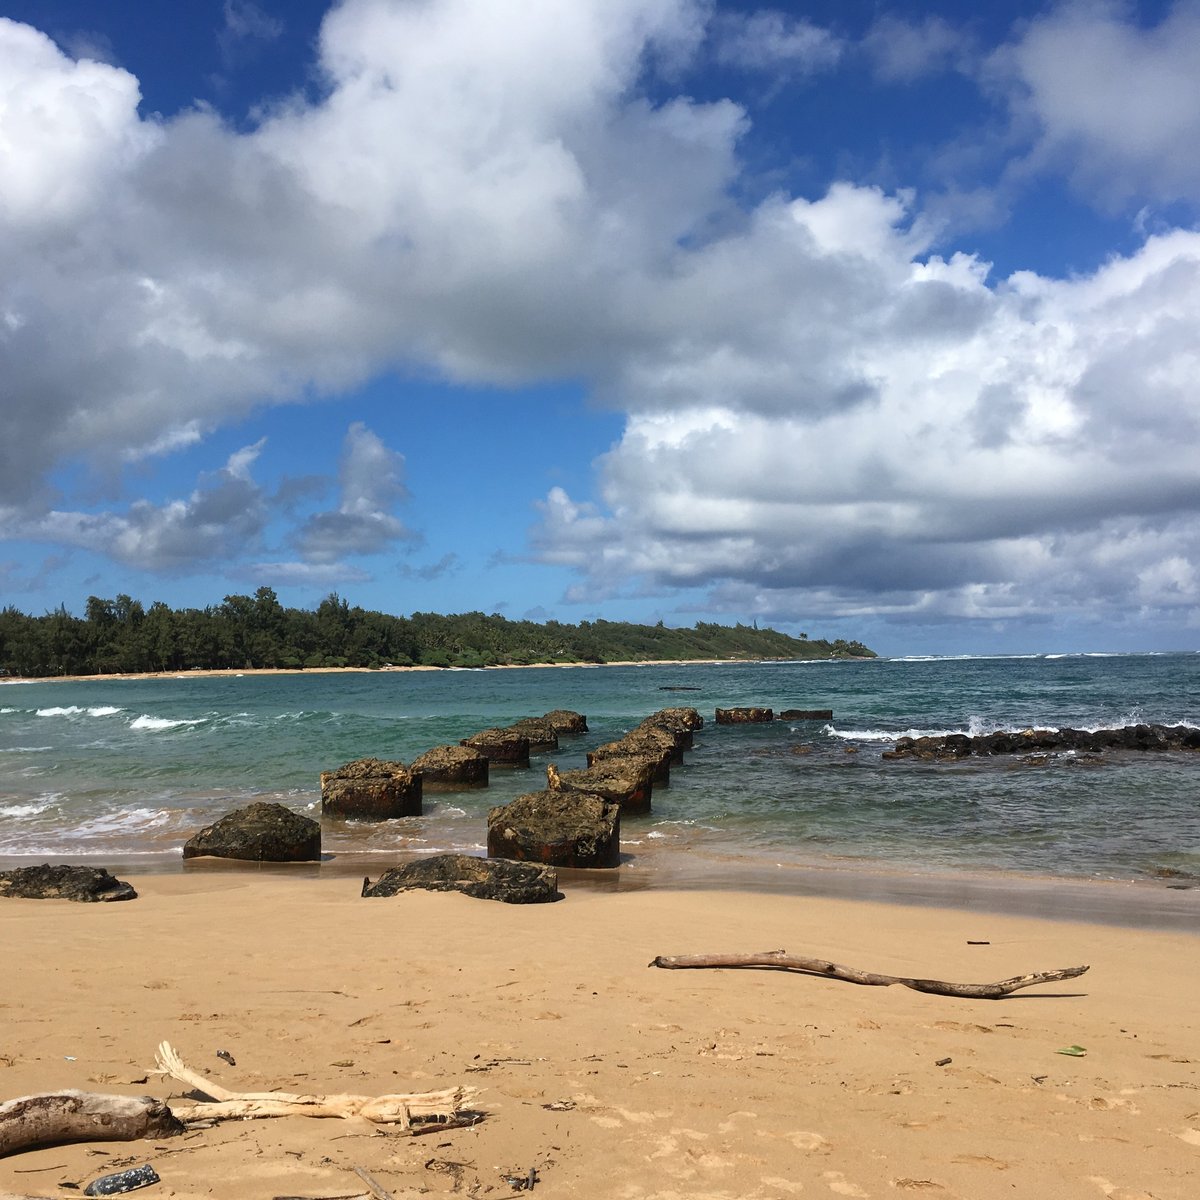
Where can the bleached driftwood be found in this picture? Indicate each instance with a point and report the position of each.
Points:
(70, 1116)
(226, 1105)
(819, 966)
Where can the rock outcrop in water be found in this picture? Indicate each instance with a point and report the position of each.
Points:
(371, 789)
(452, 769)
(483, 878)
(542, 735)
(502, 747)
(744, 716)
(628, 782)
(565, 721)
(561, 829)
(259, 833)
(89, 885)
(1141, 738)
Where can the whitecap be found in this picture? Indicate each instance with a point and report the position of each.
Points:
(31, 809)
(159, 723)
(25, 749)
(74, 710)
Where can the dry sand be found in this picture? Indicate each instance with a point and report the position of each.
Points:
(611, 1079)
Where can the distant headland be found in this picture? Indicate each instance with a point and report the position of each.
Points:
(121, 636)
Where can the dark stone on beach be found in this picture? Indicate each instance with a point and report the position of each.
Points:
(806, 714)
(566, 721)
(628, 782)
(484, 878)
(1037, 743)
(88, 885)
(542, 735)
(259, 833)
(562, 829)
(452, 769)
(743, 716)
(501, 747)
(371, 789)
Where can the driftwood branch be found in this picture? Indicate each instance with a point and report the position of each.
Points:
(819, 966)
(399, 1109)
(70, 1116)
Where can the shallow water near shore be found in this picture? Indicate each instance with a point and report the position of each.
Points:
(126, 770)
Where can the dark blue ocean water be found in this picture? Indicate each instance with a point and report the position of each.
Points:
(121, 768)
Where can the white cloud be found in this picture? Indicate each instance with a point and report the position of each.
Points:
(1113, 102)
(371, 481)
(902, 51)
(998, 441)
(819, 412)
(773, 41)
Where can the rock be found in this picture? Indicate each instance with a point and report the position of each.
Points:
(501, 747)
(1039, 742)
(639, 749)
(563, 829)
(658, 737)
(628, 782)
(681, 737)
(259, 833)
(484, 878)
(806, 714)
(566, 721)
(743, 716)
(542, 735)
(86, 884)
(452, 769)
(678, 717)
(371, 789)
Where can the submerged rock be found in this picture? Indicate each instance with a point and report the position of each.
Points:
(1026, 742)
(563, 829)
(484, 878)
(806, 714)
(744, 716)
(371, 789)
(88, 885)
(259, 833)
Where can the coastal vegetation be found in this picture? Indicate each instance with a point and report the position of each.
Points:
(248, 632)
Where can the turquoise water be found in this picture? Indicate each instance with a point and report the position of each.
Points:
(122, 768)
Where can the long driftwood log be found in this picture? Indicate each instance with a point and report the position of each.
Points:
(69, 1116)
(820, 966)
(399, 1109)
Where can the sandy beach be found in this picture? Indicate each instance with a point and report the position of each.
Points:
(609, 1078)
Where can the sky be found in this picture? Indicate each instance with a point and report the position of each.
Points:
(875, 320)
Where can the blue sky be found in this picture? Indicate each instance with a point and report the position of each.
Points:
(875, 320)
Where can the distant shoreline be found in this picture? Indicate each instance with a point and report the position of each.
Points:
(234, 672)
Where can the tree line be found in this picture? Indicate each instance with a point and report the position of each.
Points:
(247, 632)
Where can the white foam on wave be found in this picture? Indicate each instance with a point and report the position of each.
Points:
(885, 735)
(25, 749)
(75, 710)
(156, 724)
(31, 808)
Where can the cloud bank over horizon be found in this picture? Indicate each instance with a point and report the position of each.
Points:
(832, 404)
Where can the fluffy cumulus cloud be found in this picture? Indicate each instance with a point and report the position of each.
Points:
(826, 411)
(1114, 103)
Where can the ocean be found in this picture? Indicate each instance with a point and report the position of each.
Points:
(127, 769)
